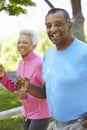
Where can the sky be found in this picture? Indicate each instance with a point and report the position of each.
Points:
(11, 25)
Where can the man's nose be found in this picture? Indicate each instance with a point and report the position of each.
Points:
(53, 28)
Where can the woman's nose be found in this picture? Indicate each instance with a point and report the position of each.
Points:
(21, 44)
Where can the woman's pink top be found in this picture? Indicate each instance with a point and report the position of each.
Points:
(30, 67)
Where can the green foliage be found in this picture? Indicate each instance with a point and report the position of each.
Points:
(9, 56)
(15, 7)
(44, 43)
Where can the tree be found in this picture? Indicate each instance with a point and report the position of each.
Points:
(44, 42)
(78, 28)
(49, 3)
(15, 7)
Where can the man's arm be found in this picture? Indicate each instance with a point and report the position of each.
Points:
(36, 91)
(24, 85)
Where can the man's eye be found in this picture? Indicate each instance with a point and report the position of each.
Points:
(48, 26)
(59, 24)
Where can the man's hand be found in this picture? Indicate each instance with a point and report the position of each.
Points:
(83, 121)
(2, 71)
(22, 84)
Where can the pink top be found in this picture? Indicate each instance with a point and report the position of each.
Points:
(30, 67)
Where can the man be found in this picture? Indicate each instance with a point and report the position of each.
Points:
(64, 74)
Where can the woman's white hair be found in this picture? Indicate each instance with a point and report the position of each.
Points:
(32, 33)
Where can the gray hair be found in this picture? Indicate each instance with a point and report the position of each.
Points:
(32, 33)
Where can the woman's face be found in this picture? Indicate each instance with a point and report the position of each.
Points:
(25, 45)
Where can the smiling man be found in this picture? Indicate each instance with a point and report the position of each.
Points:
(64, 74)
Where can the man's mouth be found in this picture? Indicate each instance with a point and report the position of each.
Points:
(55, 37)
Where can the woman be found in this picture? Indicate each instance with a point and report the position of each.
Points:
(35, 111)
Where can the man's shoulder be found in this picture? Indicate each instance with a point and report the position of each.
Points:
(50, 50)
(80, 42)
(81, 45)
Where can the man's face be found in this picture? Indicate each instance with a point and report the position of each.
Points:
(58, 28)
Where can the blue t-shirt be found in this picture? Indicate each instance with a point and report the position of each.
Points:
(65, 75)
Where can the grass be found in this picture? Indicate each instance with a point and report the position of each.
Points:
(13, 123)
(9, 100)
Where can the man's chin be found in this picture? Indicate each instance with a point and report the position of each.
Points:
(56, 41)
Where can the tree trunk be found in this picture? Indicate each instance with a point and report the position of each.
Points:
(78, 27)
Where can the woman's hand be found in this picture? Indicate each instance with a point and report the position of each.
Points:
(21, 94)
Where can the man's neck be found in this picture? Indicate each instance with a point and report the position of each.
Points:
(64, 45)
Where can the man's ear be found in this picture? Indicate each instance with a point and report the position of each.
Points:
(72, 21)
(70, 25)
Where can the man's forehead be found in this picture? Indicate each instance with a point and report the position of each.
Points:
(57, 16)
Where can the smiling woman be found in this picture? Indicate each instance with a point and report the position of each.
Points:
(30, 66)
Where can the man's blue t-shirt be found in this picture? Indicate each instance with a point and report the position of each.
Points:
(65, 76)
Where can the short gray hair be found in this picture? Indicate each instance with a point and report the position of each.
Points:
(32, 33)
